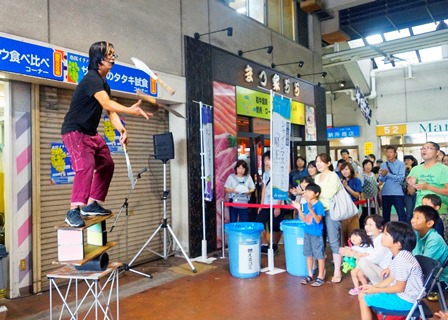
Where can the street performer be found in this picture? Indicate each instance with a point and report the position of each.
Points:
(90, 156)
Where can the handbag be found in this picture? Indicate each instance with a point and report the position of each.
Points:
(341, 205)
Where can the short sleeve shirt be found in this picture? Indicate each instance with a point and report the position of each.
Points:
(85, 111)
(404, 267)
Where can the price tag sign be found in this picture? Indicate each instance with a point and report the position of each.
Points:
(391, 130)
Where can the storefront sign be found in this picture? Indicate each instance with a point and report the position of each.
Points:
(391, 130)
(252, 103)
(31, 59)
(277, 83)
(297, 113)
(343, 132)
(46, 62)
(120, 78)
(427, 126)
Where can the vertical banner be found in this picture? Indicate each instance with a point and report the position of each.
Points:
(280, 142)
(207, 144)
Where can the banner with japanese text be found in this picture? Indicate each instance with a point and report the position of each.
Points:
(207, 143)
(280, 146)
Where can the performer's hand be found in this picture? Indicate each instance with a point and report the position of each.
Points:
(136, 110)
(124, 138)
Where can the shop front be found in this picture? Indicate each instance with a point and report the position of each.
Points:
(239, 92)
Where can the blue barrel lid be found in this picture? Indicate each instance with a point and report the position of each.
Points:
(292, 224)
(244, 227)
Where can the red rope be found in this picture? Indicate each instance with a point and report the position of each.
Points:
(281, 206)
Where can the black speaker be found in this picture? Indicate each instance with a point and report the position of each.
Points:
(163, 146)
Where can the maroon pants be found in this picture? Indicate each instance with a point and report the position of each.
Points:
(93, 166)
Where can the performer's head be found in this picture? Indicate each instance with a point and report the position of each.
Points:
(99, 52)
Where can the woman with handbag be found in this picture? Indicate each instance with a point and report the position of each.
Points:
(329, 182)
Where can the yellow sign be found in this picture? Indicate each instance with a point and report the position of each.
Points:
(391, 130)
(368, 148)
(297, 113)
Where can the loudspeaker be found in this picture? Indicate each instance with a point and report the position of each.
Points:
(163, 146)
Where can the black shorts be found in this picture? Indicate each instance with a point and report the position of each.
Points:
(263, 217)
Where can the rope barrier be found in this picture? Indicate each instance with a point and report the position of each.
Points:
(275, 206)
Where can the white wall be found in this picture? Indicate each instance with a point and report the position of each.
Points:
(402, 96)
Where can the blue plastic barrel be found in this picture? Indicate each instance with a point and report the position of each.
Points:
(293, 233)
(244, 240)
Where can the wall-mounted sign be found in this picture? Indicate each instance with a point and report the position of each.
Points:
(252, 103)
(391, 129)
(47, 62)
(297, 113)
(31, 60)
(368, 147)
(343, 132)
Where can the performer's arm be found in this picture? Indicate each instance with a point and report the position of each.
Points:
(112, 106)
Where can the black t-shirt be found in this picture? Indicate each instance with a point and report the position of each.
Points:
(85, 111)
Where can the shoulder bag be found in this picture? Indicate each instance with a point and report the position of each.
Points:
(341, 205)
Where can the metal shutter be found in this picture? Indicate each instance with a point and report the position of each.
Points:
(145, 204)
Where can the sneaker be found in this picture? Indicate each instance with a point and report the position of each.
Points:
(354, 291)
(74, 219)
(432, 296)
(264, 249)
(95, 209)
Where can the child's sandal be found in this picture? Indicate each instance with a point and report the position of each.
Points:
(306, 280)
(317, 283)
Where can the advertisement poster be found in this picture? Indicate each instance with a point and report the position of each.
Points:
(112, 136)
(281, 135)
(61, 171)
(207, 141)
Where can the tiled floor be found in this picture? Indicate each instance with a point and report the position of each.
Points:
(214, 294)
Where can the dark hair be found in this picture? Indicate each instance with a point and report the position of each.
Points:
(371, 155)
(97, 52)
(411, 157)
(312, 163)
(379, 161)
(313, 187)
(242, 163)
(301, 158)
(429, 212)
(442, 153)
(377, 219)
(308, 179)
(434, 144)
(267, 154)
(350, 167)
(402, 232)
(392, 148)
(435, 199)
(366, 162)
(326, 159)
(344, 151)
(340, 161)
(366, 241)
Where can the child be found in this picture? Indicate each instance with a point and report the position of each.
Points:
(361, 243)
(429, 243)
(313, 244)
(299, 192)
(400, 289)
(435, 202)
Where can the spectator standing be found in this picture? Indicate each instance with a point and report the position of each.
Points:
(429, 177)
(392, 175)
(329, 182)
(409, 199)
(369, 190)
(239, 185)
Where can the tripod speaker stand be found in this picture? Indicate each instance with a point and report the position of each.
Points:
(164, 150)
